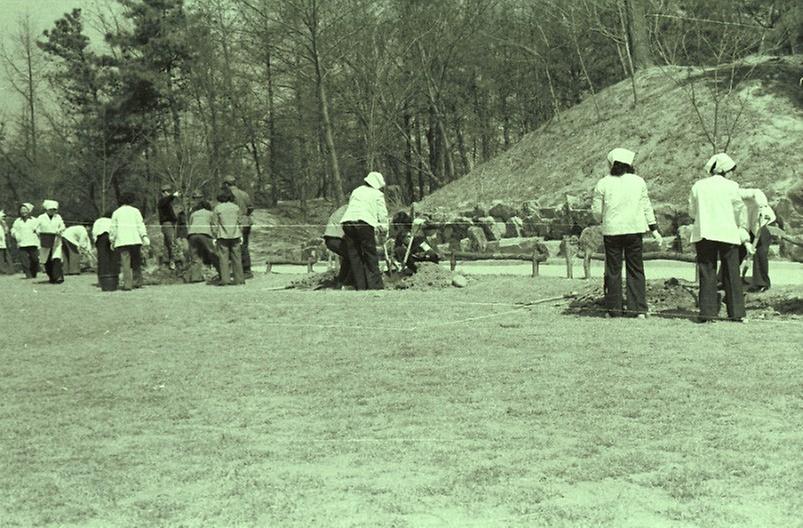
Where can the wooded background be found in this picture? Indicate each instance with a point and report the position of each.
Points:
(300, 98)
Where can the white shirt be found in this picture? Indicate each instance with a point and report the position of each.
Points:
(759, 212)
(718, 210)
(367, 204)
(78, 236)
(25, 232)
(50, 226)
(101, 225)
(127, 227)
(623, 205)
(2, 235)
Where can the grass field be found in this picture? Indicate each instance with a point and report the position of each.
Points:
(201, 406)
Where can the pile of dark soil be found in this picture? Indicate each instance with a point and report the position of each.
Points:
(429, 276)
(315, 281)
(677, 297)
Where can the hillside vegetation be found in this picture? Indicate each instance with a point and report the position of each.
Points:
(567, 155)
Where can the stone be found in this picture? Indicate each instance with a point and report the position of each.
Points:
(502, 212)
(789, 215)
(534, 225)
(493, 230)
(650, 244)
(459, 227)
(683, 241)
(591, 238)
(459, 281)
(514, 227)
(522, 246)
(465, 245)
(529, 208)
(478, 239)
(792, 251)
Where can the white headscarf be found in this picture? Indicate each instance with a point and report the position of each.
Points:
(28, 207)
(622, 155)
(375, 180)
(50, 204)
(720, 164)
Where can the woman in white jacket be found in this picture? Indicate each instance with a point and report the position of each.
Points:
(365, 214)
(622, 204)
(24, 230)
(720, 227)
(127, 235)
(50, 227)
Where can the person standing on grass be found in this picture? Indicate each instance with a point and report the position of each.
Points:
(333, 238)
(24, 231)
(108, 261)
(168, 220)
(226, 228)
(366, 213)
(202, 245)
(759, 216)
(243, 201)
(720, 227)
(127, 235)
(622, 204)
(6, 266)
(50, 227)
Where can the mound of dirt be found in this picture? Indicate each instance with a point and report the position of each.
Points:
(677, 297)
(430, 276)
(567, 155)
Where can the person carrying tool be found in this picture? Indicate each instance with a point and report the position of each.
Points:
(366, 214)
(411, 245)
(759, 216)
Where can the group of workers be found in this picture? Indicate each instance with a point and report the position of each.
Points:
(216, 236)
(730, 223)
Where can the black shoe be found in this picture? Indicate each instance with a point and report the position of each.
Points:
(248, 275)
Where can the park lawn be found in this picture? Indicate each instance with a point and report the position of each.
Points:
(243, 406)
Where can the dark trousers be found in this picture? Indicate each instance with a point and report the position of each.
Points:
(169, 235)
(246, 254)
(338, 247)
(131, 263)
(761, 266)
(108, 264)
(203, 252)
(72, 258)
(361, 248)
(29, 258)
(54, 270)
(229, 255)
(6, 265)
(708, 253)
(631, 247)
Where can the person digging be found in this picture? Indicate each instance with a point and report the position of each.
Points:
(411, 247)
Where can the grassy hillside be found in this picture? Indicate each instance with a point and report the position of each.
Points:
(567, 155)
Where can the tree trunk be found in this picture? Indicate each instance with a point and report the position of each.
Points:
(408, 156)
(419, 147)
(274, 183)
(637, 34)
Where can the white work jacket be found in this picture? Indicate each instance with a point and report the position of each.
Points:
(127, 227)
(622, 204)
(718, 210)
(25, 232)
(368, 205)
(759, 212)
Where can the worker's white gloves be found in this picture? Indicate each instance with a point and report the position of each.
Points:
(658, 238)
(146, 241)
(751, 249)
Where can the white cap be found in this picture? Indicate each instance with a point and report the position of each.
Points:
(375, 180)
(50, 204)
(621, 155)
(720, 164)
(27, 206)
